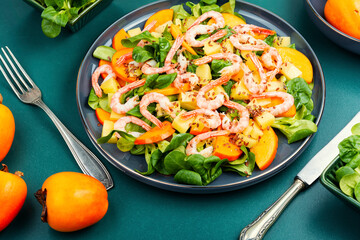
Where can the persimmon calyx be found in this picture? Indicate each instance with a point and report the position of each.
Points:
(40, 195)
(4, 167)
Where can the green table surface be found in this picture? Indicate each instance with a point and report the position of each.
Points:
(139, 211)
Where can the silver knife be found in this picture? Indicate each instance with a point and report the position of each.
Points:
(312, 170)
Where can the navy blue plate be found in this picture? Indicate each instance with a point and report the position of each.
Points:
(228, 181)
(315, 9)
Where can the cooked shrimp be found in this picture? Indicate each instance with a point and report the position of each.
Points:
(95, 77)
(202, 102)
(211, 118)
(191, 34)
(115, 104)
(183, 76)
(164, 103)
(121, 123)
(183, 63)
(247, 42)
(176, 45)
(288, 101)
(197, 29)
(187, 77)
(252, 29)
(121, 60)
(258, 66)
(149, 26)
(229, 70)
(218, 17)
(149, 68)
(249, 80)
(236, 126)
(272, 60)
(192, 145)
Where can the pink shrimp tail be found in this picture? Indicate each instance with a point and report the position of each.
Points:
(149, 26)
(95, 77)
(123, 58)
(127, 119)
(211, 14)
(220, 81)
(219, 34)
(203, 60)
(177, 44)
(288, 101)
(244, 117)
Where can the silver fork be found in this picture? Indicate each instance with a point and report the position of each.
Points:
(29, 93)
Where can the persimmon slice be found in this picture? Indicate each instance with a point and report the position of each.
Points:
(122, 71)
(116, 42)
(156, 134)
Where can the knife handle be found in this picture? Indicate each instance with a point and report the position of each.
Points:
(257, 229)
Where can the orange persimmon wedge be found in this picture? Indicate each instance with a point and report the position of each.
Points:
(265, 150)
(102, 115)
(276, 101)
(230, 19)
(156, 134)
(104, 75)
(299, 60)
(198, 127)
(223, 148)
(171, 90)
(121, 71)
(116, 42)
(175, 32)
(160, 17)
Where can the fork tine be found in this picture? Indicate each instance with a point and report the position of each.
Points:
(12, 75)
(16, 91)
(15, 70)
(21, 68)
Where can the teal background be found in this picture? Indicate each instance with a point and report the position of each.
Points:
(139, 211)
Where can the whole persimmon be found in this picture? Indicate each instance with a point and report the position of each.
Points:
(7, 129)
(72, 201)
(344, 15)
(13, 192)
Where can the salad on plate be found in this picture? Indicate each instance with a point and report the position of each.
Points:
(200, 91)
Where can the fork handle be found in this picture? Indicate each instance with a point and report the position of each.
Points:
(257, 229)
(86, 160)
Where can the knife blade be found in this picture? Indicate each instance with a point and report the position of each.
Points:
(307, 175)
(321, 160)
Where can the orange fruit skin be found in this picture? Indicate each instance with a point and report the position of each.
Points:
(74, 201)
(7, 130)
(120, 71)
(160, 17)
(120, 35)
(13, 192)
(344, 15)
(265, 150)
(156, 134)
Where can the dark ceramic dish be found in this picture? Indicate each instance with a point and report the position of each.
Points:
(128, 163)
(328, 179)
(315, 9)
(85, 16)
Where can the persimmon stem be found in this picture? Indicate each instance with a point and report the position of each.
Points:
(4, 167)
(40, 195)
